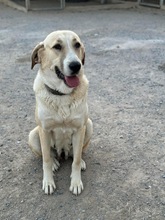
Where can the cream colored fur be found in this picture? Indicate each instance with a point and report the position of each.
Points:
(62, 121)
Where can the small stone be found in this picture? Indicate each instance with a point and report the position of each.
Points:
(58, 192)
(35, 169)
(7, 204)
(147, 187)
(97, 163)
(163, 201)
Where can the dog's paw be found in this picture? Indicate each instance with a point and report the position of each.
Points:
(55, 165)
(76, 186)
(83, 165)
(48, 186)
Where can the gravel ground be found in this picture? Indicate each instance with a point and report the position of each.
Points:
(125, 64)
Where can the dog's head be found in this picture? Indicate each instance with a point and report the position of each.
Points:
(61, 56)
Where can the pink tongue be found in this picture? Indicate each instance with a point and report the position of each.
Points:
(72, 81)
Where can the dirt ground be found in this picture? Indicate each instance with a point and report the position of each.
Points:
(125, 64)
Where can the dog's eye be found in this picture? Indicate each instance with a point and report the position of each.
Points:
(77, 45)
(57, 47)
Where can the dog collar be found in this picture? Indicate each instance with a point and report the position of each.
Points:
(53, 91)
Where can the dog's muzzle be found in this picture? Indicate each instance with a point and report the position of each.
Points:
(73, 80)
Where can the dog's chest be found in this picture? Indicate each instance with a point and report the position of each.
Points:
(62, 140)
(64, 112)
(63, 121)
(62, 116)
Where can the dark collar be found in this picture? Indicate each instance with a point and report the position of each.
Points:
(54, 92)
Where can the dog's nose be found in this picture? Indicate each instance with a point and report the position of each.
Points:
(74, 67)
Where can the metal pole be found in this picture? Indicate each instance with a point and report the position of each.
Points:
(161, 3)
(27, 4)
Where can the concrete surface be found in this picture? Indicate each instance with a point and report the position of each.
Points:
(125, 64)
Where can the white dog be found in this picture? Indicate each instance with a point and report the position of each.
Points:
(61, 106)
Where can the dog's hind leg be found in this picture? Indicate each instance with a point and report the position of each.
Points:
(88, 134)
(35, 146)
(34, 142)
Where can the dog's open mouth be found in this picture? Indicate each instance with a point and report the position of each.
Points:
(70, 81)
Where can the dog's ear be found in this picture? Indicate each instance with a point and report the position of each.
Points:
(83, 54)
(34, 57)
(83, 60)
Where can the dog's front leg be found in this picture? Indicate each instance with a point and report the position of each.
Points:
(48, 181)
(76, 184)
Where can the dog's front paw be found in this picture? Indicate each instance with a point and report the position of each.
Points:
(76, 186)
(48, 186)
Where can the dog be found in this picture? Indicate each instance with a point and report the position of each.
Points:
(61, 114)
